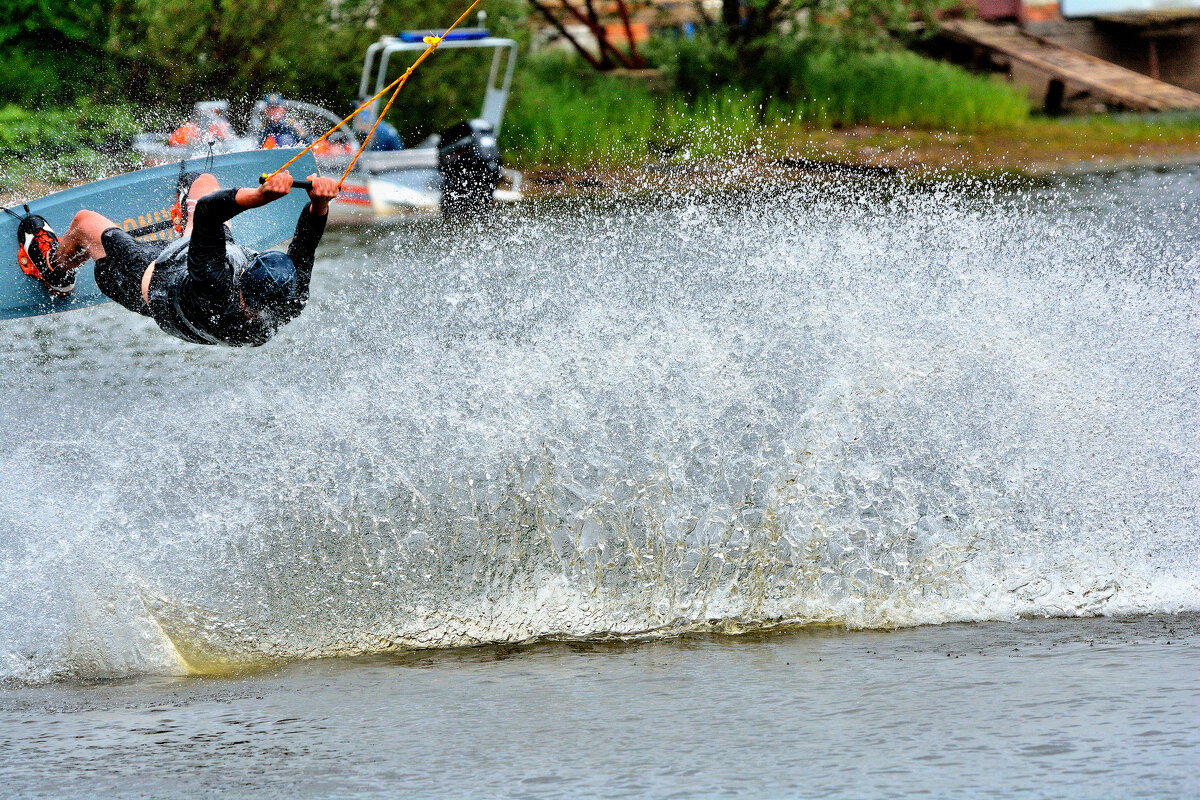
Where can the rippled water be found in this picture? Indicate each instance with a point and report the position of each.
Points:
(1092, 708)
(852, 403)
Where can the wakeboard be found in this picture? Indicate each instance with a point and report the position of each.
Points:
(142, 200)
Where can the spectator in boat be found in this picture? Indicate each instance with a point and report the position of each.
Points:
(385, 139)
(202, 126)
(279, 130)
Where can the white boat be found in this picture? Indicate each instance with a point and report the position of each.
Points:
(411, 179)
(383, 183)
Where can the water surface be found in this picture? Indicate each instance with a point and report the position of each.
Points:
(1058, 708)
(848, 403)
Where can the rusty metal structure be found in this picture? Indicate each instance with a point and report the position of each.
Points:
(1158, 38)
(590, 14)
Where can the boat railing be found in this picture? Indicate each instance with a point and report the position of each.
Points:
(495, 95)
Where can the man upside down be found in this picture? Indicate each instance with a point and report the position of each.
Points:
(203, 287)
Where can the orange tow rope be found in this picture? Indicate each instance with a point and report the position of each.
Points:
(433, 42)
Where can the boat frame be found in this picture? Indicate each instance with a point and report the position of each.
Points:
(495, 95)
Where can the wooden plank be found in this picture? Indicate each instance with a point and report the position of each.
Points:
(1115, 84)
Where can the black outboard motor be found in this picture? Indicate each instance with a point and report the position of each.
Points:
(469, 161)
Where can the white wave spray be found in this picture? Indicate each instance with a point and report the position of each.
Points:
(846, 403)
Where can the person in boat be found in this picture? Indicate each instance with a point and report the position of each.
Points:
(203, 287)
(208, 124)
(385, 139)
(279, 130)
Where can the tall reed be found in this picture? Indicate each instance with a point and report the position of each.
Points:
(565, 114)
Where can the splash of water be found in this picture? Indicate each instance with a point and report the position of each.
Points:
(847, 403)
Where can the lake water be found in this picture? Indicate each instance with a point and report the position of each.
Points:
(648, 434)
(1058, 708)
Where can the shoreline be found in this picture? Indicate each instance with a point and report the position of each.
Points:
(662, 177)
(921, 155)
(884, 152)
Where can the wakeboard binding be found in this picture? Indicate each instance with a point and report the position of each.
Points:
(37, 245)
(179, 212)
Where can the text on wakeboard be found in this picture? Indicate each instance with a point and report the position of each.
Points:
(151, 218)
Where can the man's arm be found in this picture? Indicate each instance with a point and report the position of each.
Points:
(309, 229)
(273, 189)
(206, 252)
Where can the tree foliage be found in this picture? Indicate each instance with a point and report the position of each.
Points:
(180, 51)
(51, 48)
(168, 54)
(54, 22)
(859, 24)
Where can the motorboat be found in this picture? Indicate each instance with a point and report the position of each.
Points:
(384, 182)
(411, 179)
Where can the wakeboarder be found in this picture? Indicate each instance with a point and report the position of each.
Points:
(203, 287)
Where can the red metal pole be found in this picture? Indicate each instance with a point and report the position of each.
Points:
(591, 59)
(641, 62)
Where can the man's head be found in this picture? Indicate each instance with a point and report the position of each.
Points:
(364, 119)
(275, 110)
(268, 283)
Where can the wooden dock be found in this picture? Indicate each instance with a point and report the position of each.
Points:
(1114, 85)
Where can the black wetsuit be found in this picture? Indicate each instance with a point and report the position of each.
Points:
(194, 292)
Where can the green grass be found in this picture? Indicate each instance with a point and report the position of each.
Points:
(1129, 127)
(562, 114)
(565, 114)
(899, 89)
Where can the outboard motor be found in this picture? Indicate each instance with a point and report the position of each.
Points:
(469, 161)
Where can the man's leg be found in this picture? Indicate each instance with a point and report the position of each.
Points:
(204, 184)
(82, 240)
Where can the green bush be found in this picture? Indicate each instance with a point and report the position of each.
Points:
(798, 79)
(54, 132)
(59, 146)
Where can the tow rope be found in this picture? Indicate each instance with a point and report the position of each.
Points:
(432, 42)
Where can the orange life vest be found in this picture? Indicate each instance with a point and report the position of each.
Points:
(184, 135)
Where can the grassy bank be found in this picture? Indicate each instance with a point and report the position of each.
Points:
(563, 114)
(883, 109)
(892, 109)
(67, 145)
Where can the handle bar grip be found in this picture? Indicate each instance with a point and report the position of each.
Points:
(305, 185)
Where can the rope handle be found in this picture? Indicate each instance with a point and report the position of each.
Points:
(305, 185)
(432, 43)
